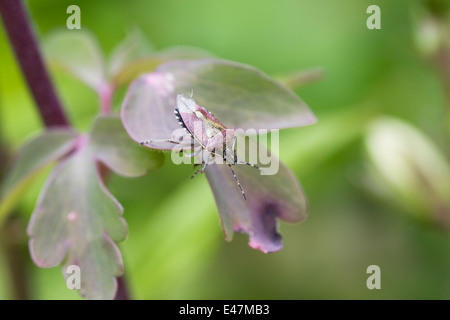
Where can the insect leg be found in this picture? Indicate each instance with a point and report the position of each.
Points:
(236, 161)
(195, 173)
(235, 178)
(206, 160)
(181, 141)
(249, 164)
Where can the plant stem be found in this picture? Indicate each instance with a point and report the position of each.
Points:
(122, 289)
(13, 245)
(105, 93)
(12, 242)
(27, 53)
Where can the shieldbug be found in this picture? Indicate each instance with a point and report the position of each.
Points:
(209, 138)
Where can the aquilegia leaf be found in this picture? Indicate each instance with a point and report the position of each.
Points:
(239, 97)
(78, 53)
(132, 48)
(268, 197)
(77, 221)
(112, 146)
(33, 156)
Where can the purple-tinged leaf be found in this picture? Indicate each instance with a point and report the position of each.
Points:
(147, 112)
(79, 53)
(77, 221)
(32, 157)
(269, 197)
(239, 95)
(111, 144)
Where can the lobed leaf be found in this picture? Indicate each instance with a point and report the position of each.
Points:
(240, 96)
(111, 144)
(133, 47)
(32, 157)
(79, 53)
(269, 197)
(76, 220)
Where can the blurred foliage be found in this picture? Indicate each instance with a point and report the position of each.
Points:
(175, 247)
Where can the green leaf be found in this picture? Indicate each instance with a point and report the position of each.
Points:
(79, 53)
(133, 47)
(111, 144)
(136, 67)
(32, 157)
(78, 221)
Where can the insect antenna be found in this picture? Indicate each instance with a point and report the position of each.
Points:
(235, 178)
(159, 140)
(180, 141)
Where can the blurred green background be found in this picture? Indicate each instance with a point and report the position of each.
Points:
(175, 248)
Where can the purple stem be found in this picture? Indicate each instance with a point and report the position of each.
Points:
(105, 93)
(122, 289)
(22, 39)
(12, 240)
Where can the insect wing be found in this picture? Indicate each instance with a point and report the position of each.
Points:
(197, 121)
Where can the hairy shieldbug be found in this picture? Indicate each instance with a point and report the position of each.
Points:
(210, 137)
